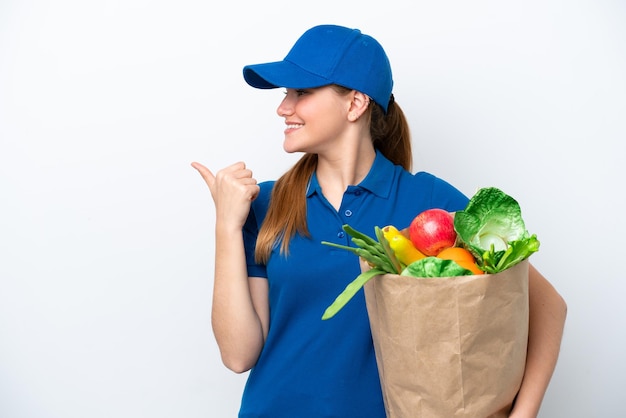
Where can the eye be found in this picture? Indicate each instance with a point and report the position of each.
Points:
(297, 92)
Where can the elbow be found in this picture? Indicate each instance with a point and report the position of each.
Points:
(238, 363)
(240, 357)
(563, 305)
(559, 309)
(239, 348)
(560, 305)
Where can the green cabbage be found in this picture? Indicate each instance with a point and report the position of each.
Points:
(492, 228)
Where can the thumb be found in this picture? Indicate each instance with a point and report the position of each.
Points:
(206, 174)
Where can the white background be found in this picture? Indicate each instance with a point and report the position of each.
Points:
(106, 232)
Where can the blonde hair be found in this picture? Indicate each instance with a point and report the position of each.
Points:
(286, 215)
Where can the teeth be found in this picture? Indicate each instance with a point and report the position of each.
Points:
(293, 126)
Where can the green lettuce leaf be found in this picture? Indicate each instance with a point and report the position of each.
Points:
(434, 267)
(495, 261)
(492, 228)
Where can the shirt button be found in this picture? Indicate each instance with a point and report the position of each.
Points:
(348, 213)
(341, 234)
(357, 193)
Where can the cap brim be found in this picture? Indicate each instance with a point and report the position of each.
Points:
(281, 74)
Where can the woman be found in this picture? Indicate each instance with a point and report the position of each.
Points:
(273, 278)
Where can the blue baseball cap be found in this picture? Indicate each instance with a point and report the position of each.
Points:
(329, 54)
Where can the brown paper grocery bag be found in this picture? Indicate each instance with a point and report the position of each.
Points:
(450, 347)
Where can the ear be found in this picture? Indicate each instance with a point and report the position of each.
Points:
(358, 105)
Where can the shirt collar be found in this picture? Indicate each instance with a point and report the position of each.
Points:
(378, 180)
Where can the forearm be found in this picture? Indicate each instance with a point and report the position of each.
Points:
(236, 324)
(238, 327)
(546, 321)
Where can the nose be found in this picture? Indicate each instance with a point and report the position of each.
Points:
(285, 108)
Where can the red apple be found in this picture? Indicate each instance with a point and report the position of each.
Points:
(432, 231)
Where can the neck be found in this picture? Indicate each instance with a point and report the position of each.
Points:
(335, 173)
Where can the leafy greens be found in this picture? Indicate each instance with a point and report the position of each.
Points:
(434, 267)
(492, 228)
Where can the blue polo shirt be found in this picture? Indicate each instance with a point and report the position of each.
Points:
(314, 368)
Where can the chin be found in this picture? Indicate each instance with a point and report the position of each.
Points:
(291, 150)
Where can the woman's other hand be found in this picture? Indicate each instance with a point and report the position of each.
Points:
(233, 189)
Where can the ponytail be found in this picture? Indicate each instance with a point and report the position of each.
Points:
(391, 135)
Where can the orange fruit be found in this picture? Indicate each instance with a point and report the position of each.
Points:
(462, 257)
